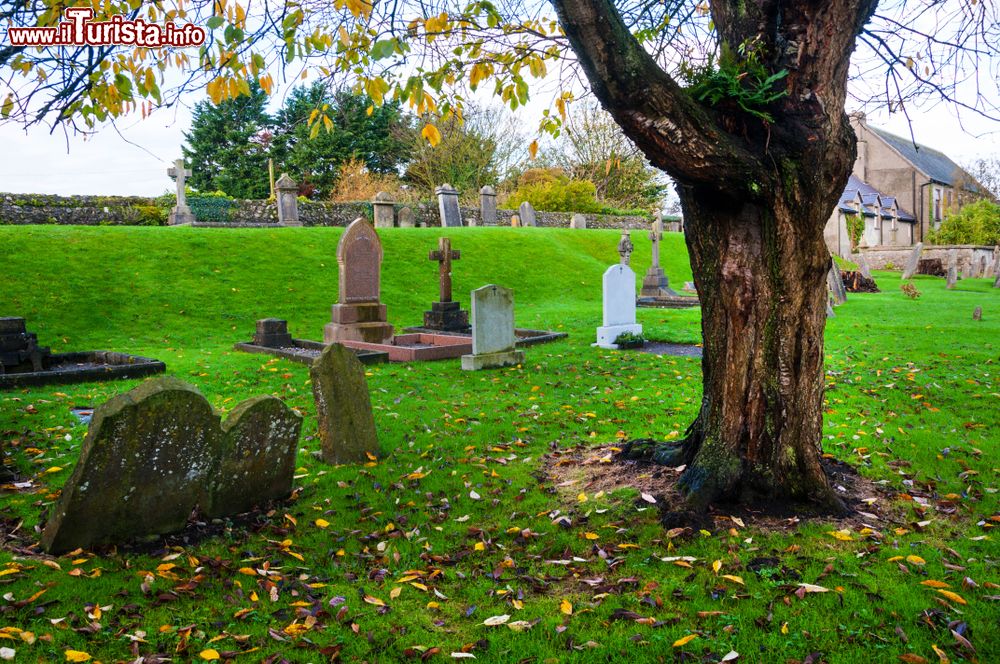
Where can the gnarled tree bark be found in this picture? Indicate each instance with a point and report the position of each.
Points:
(756, 197)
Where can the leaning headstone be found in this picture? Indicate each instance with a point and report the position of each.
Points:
(406, 218)
(358, 314)
(619, 306)
(829, 308)
(977, 313)
(143, 467)
(257, 456)
(578, 221)
(493, 340)
(288, 201)
(382, 210)
(863, 267)
(952, 269)
(527, 214)
(181, 213)
(451, 214)
(488, 205)
(343, 406)
(913, 261)
(835, 282)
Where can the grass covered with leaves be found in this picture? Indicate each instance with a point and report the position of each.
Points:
(480, 530)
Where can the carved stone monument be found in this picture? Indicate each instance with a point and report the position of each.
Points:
(493, 340)
(445, 315)
(656, 283)
(358, 314)
(451, 215)
(288, 201)
(181, 213)
(382, 208)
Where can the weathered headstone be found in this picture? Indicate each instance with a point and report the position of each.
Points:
(382, 210)
(493, 340)
(155, 453)
(19, 349)
(406, 218)
(829, 308)
(977, 313)
(835, 282)
(288, 201)
(913, 261)
(451, 214)
(488, 205)
(863, 267)
(996, 282)
(446, 314)
(181, 213)
(527, 214)
(257, 456)
(952, 268)
(515, 221)
(578, 221)
(982, 269)
(343, 406)
(272, 333)
(625, 247)
(358, 314)
(619, 306)
(655, 282)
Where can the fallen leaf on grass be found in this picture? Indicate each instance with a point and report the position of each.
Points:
(955, 597)
(493, 621)
(733, 578)
(684, 640)
(209, 654)
(810, 588)
(77, 656)
(566, 607)
(931, 583)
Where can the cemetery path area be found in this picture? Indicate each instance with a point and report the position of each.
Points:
(459, 539)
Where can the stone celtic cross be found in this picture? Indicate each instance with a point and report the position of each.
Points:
(655, 235)
(444, 256)
(625, 247)
(178, 172)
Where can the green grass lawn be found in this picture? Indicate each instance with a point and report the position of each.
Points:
(456, 521)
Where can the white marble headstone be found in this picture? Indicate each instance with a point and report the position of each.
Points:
(619, 305)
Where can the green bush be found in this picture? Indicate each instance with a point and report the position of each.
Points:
(549, 190)
(150, 215)
(976, 223)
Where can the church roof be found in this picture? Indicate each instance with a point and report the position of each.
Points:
(870, 199)
(937, 165)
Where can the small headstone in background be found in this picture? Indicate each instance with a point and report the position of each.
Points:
(287, 192)
(977, 313)
(655, 282)
(257, 457)
(625, 247)
(493, 340)
(488, 205)
(689, 287)
(829, 308)
(952, 268)
(578, 221)
(406, 218)
(515, 221)
(181, 213)
(451, 214)
(835, 282)
(863, 267)
(619, 305)
(343, 406)
(912, 262)
(382, 210)
(527, 214)
(272, 333)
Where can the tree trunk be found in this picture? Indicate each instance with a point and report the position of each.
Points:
(761, 276)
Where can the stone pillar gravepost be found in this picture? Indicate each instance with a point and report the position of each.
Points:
(382, 210)
(488, 205)
(288, 201)
(447, 196)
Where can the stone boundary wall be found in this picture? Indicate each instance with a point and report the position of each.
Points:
(22, 209)
(971, 258)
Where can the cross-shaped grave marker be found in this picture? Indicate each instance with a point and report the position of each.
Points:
(444, 256)
(181, 214)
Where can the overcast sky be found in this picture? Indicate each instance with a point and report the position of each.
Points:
(132, 157)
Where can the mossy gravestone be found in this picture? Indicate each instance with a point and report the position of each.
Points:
(343, 406)
(152, 455)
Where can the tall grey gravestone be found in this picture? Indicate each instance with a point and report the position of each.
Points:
(181, 213)
(155, 453)
(952, 268)
(619, 306)
(488, 205)
(343, 406)
(382, 208)
(447, 196)
(493, 340)
(527, 214)
(835, 282)
(863, 267)
(913, 261)
(578, 221)
(288, 201)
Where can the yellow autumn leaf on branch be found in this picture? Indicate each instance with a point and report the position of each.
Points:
(431, 134)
